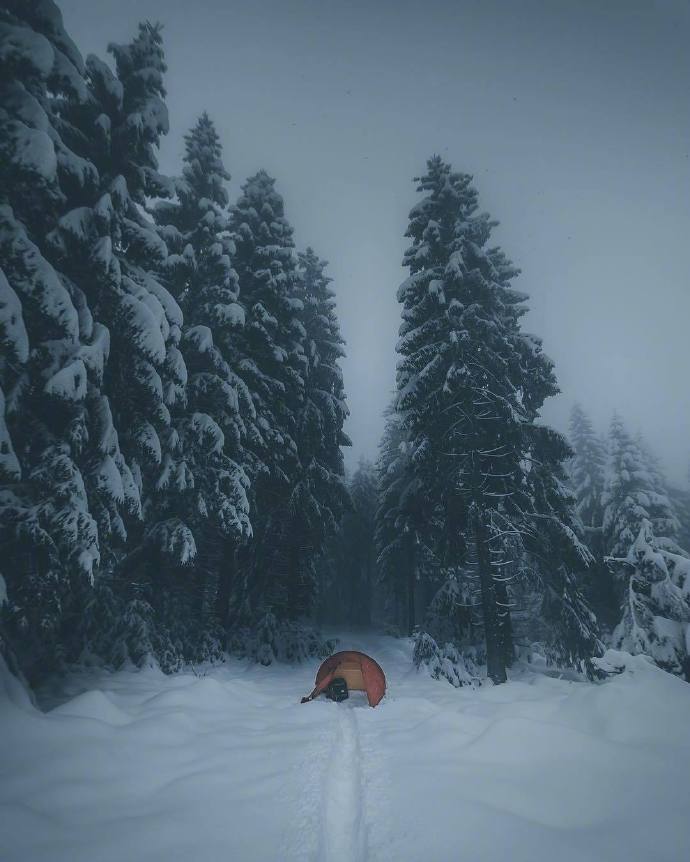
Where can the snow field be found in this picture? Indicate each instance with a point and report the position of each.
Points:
(230, 766)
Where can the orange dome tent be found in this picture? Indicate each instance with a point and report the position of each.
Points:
(360, 672)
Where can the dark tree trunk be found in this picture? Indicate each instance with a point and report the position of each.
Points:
(411, 583)
(295, 598)
(272, 587)
(495, 652)
(429, 588)
(226, 580)
(505, 623)
(366, 615)
(241, 599)
(352, 584)
(206, 574)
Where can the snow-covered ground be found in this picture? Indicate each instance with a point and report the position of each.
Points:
(230, 766)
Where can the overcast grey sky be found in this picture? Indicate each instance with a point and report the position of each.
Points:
(573, 118)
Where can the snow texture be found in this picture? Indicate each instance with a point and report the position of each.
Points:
(227, 764)
(40, 282)
(20, 45)
(9, 463)
(69, 383)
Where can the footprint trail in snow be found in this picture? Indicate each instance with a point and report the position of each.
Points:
(343, 836)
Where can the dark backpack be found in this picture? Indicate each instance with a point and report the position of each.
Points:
(337, 690)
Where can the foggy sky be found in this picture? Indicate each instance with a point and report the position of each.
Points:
(573, 118)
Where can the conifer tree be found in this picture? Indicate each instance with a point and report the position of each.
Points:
(318, 497)
(557, 556)
(588, 476)
(113, 251)
(274, 370)
(274, 335)
(401, 521)
(147, 380)
(218, 414)
(656, 609)
(449, 617)
(51, 349)
(587, 469)
(662, 512)
(630, 496)
(470, 385)
(680, 498)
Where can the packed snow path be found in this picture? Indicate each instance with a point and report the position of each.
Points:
(342, 837)
(230, 766)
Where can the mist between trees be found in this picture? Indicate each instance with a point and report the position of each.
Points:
(172, 407)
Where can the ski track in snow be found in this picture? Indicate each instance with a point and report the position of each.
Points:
(343, 837)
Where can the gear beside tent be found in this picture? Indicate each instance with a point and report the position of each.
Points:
(360, 672)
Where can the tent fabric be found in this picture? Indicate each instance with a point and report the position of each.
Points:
(360, 671)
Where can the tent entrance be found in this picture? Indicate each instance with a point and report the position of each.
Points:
(351, 672)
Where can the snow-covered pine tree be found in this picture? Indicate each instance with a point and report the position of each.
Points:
(551, 537)
(50, 345)
(147, 383)
(656, 609)
(662, 512)
(273, 369)
(470, 386)
(219, 413)
(113, 251)
(195, 223)
(587, 471)
(680, 498)
(318, 496)
(449, 617)
(630, 496)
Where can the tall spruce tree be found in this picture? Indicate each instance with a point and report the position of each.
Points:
(587, 469)
(274, 371)
(53, 353)
(116, 251)
(662, 512)
(656, 607)
(219, 413)
(401, 522)
(680, 498)
(588, 477)
(470, 385)
(630, 496)
(318, 496)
